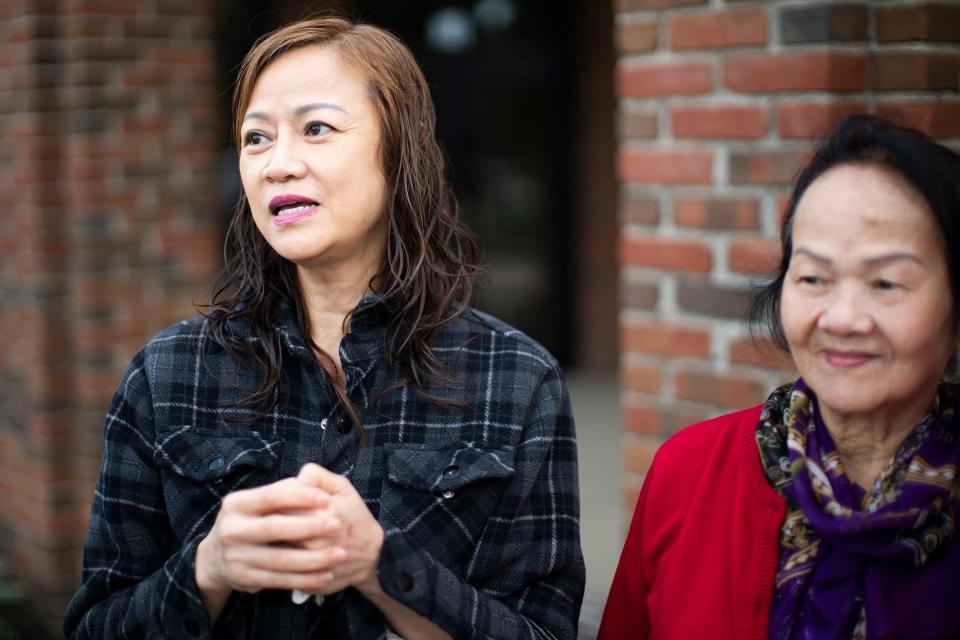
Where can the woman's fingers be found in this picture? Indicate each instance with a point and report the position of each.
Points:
(278, 527)
(252, 579)
(287, 559)
(296, 533)
(284, 495)
(314, 475)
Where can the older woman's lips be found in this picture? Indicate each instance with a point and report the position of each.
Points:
(847, 359)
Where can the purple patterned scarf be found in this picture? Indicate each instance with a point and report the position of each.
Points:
(883, 563)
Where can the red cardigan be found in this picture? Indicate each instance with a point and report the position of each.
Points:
(701, 555)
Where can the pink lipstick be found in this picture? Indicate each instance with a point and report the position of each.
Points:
(847, 359)
(290, 208)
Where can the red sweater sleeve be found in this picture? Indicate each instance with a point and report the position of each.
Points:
(700, 557)
(625, 615)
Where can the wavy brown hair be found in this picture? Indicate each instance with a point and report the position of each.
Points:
(429, 269)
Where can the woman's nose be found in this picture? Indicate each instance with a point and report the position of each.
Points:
(284, 163)
(845, 313)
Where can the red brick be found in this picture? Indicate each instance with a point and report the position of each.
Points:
(641, 418)
(915, 71)
(654, 417)
(930, 22)
(793, 71)
(735, 27)
(639, 295)
(716, 213)
(638, 124)
(781, 201)
(639, 209)
(759, 353)
(660, 166)
(813, 120)
(677, 341)
(824, 22)
(735, 122)
(638, 453)
(673, 254)
(51, 457)
(754, 256)
(642, 377)
(664, 79)
(723, 390)
(703, 297)
(637, 37)
(765, 167)
(939, 119)
(629, 494)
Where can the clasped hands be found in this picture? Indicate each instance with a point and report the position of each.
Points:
(311, 533)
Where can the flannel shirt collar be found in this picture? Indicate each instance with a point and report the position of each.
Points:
(365, 342)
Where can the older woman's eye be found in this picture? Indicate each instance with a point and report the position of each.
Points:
(811, 280)
(318, 129)
(885, 285)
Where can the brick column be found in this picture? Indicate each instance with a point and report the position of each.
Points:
(718, 104)
(107, 113)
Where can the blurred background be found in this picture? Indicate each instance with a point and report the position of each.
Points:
(624, 163)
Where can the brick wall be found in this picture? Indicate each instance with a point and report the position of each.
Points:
(107, 116)
(718, 104)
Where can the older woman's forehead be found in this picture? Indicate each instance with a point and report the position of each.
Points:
(870, 196)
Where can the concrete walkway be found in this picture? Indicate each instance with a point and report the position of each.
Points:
(596, 408)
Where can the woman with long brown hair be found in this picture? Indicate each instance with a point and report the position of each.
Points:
(339, 447)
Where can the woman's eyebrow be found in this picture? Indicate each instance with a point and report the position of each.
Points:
(304, 108)
(893, 257)
(315, 106)
(872, 261)
(813, 256)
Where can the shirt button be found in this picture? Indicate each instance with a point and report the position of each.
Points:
(344, 426)
(405, 581)
(215, 464)
(323, 423)
(452, 471)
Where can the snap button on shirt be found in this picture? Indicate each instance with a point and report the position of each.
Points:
(452, 471)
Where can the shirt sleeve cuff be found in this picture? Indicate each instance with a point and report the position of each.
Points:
(182, 611)
(407, 574)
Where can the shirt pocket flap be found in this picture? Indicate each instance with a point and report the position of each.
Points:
(439, 471)
(205, 457)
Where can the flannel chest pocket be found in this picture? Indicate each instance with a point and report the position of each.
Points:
(443, 498)
(198, 468)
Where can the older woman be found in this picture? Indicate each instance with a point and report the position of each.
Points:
(339, 447)
(830, 511)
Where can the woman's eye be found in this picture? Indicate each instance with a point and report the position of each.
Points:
(318, 129)
(253, 138)
(810, 280)
(885, 285)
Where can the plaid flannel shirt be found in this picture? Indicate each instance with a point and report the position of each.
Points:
(478, 499)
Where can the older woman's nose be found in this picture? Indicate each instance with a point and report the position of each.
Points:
(284, 162)
(844, 313)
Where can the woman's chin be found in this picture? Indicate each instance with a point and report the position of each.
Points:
(845, 399)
